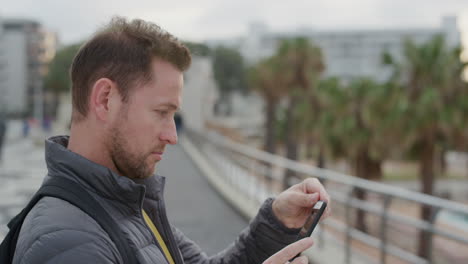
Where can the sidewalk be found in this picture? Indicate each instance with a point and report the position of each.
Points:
(14, 132)
(194, 207)
(330, 252)
(21, 172)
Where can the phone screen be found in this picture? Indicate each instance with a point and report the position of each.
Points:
(312, 220)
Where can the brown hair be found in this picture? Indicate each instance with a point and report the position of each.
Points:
(122, 51)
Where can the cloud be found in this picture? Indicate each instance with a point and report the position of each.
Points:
(76, 20)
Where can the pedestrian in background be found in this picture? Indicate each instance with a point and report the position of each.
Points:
(3, 129)
(178, 122)
(25, 127)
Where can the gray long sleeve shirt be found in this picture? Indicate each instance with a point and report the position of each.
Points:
(57, 232)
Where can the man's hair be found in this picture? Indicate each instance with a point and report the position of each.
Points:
(123, 52)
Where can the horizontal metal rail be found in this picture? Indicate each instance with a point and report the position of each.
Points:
(241, 163)
(336, 176)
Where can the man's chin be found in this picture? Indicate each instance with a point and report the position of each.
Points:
(150, 173)
(141, 177)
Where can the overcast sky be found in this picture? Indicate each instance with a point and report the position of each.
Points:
(74, 20)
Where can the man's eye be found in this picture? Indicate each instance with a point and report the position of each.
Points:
(162, 112)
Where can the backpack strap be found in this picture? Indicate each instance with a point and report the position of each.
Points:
(8, 246)
(70, 191)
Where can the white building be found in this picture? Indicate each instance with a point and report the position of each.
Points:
(359, 53)
(27, 48)
(16, 88)
(199, 94)
(347, 54)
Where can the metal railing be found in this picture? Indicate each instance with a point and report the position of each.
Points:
(392, 213)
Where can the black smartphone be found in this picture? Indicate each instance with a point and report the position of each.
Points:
(311, 222)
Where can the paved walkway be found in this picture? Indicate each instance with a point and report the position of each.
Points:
(193, 206)
(21, 173)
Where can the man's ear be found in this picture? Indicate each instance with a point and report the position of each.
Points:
(104, 94)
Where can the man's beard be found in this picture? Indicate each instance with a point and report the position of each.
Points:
(129, 165)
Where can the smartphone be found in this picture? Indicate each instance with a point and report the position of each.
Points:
(311, 222)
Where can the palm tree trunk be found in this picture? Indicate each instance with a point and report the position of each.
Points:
(291, 153)
(427, 184)
(270, 133)
(292, 141)
(270, 137)
(321, 158)
(443, 163)
(309, 147)
(375, 170)
(362, 166)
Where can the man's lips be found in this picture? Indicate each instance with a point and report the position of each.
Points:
(157, 154)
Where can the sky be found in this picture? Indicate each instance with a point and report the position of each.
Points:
(217, 19)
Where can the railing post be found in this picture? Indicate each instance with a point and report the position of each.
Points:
(348, 226)
(321, 240)
(219, 153)
(435, 211)
(383, 228)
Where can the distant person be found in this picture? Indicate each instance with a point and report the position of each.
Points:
(178, 122)
(47, 124)
(126, 88)
(26, 127)
(3, 130)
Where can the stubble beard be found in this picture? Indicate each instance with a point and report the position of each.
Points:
(130, 165)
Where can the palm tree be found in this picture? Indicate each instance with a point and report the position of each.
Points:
(265, 78)
(355, 123)
(57, 80)
(436, 103)
(229, 74)
(302, 65)
(332, 99)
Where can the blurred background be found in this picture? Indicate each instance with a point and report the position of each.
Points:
(370, 96)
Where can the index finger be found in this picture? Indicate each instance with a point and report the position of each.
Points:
(290, 251)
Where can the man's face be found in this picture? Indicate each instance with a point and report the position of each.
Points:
(143, 126)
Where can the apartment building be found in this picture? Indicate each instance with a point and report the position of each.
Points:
(347, 53)
(27, 49)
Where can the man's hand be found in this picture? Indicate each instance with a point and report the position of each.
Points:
(293, 206)
(289, 252)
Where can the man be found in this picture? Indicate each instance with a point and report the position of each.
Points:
(3, 129)
(126, 89)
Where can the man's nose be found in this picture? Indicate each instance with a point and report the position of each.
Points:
(169, 135)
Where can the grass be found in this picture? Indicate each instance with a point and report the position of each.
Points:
(406, 171)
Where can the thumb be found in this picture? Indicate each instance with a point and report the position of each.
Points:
(304, 199)
(300, 260)
(290, 251)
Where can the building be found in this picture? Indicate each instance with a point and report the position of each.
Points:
(347, 54)
(199, 94)
(27, 49)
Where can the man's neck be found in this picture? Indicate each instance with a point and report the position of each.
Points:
(90, 145)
